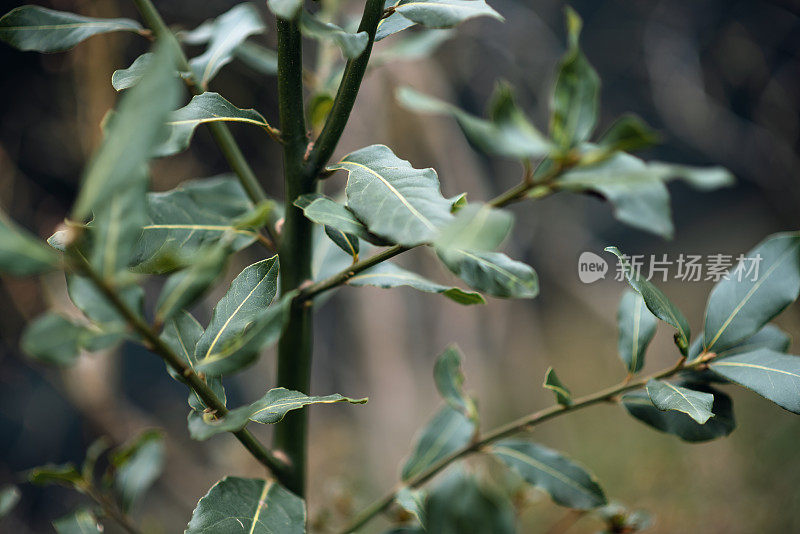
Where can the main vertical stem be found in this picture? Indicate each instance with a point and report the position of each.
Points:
(295, 345)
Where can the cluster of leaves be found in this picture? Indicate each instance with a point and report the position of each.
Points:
(118, 233)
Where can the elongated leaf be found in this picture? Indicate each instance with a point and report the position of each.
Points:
(9, 497)
(444, 13)
(413, 502)
(460, 504)
(695, 404)
(249, 293)
(323, 210)
(388, 275)
(185, 287)
(54, 339)
(395, 200)
(94, 304)
(138, 464)
(576, 93)
(410, 47)
(551, 382)
(507, 132)
(492, 273)
(82, 521)
(269, 409)
(639, 405)
(117, 227)
(46, 30)
(181, 334)
(773, 375)
(228, 31)
(127, 78)
(242, 350)
(392, 24)
(448, 431)
(701, 178)
(203, 108)
(657, 302)
(131, 134)
(260, 59)
(249, 505)
(182, 221)
(567, 482)
(628, 133)
(449, 379)
(20, 252)
(285, 9)
(475, 227)
(347, 242)
(351, 44)
(762, 285)
(637, 326)
(635, 191)
(63, 474)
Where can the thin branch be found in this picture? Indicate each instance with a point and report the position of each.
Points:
(524, 423)
(219, 131)
(109, 507)
(154, 343)
(346, 95)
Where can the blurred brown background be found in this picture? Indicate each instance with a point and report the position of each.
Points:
(719, 78)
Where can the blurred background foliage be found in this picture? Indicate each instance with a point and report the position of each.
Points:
(720, 79)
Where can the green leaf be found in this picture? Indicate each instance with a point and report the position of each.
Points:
(63, 474)
(392, 24)
(639, 405)
(228, 31)
(116, 229)
(249, 505)
(185, 287)
(739, 306)
(462, 505)
(53, 339)
(285, 9)
(475, 227)
(448, 431)
(413, 502)
(449, 379)
(551, 382)
(269, 409)
(577, 88)
(695, 404)
(637, 326)
(492, 273)
(46, 30)
(635, 191)
(131, 134)
(657, 302)
(444, 13)
(260, 59)
(412, 46)
(773, 375)
(182, 221)
(388, 275)
(394, 200)
(250, 292)
(347, 242)
(702, 178)
(203, 108)
(323, 210)
(567, 482)
(94, 304)
(127, 78)
(628, 133)
(351, 44)
(81, 521)
(138, 464)
(20, 252)
(9, 497)
(181, 334)
(242, 350)
(507, 132)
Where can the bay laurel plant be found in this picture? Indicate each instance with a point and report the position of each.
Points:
(118, 235)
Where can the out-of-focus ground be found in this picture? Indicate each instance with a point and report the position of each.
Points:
(719, 78)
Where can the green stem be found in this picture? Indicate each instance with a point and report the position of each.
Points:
(153, 342)
(523, 423)
(295, 344)
(346, 95)
(220, 131)
(109, 507)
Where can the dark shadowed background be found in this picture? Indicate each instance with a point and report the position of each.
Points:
(720, 79)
